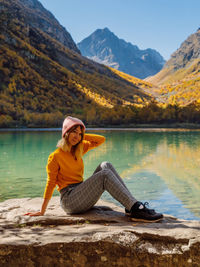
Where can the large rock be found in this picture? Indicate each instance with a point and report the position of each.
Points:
(101, 237)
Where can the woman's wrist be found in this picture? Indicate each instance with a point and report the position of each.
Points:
(44, 206)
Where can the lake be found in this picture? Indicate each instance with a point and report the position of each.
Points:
(159, 166)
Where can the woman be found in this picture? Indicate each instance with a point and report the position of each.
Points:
(65, 169)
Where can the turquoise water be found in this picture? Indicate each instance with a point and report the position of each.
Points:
(161, 167)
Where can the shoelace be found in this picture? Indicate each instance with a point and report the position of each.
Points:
(150, 211)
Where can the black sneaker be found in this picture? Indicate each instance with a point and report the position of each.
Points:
(128, 212)
(140, 213)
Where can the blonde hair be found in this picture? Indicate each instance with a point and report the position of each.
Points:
(77, 150)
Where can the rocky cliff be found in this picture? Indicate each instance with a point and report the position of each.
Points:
(101, 237)
(184, 62)
(187, 53)
(105, 47)
(33, 14)
(179, 80)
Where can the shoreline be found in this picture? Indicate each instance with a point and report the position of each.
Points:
(138, 127)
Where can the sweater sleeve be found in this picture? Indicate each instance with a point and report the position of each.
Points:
(91, 141)
(52, 172)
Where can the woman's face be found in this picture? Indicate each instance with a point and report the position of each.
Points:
(75, 136)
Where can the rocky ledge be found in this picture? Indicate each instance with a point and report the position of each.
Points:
(104, 236)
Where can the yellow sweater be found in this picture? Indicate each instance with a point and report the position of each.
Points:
(63, 169)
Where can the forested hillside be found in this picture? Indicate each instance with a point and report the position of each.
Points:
(179, 80)
(44, 78)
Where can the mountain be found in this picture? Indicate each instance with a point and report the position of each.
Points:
(187, 53)
(179, 80)
(32, 13)
(43, 76)
(105, 47)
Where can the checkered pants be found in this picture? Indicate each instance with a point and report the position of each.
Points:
(80, 198)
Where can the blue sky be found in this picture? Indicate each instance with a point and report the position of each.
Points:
(159, 24)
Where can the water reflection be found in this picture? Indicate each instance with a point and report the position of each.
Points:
(176, 162)
(161, 167)
(125, 150)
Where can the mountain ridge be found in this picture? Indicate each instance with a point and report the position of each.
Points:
(183, 58)
(105, 47)
(36, 16)
(42, 80)
(188, 51)
(179, 80)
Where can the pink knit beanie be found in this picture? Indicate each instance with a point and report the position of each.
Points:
(69, 122)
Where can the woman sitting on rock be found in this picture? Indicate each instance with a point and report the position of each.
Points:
(65, 169)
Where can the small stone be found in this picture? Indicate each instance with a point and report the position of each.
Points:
(98, 251)
(103, 258)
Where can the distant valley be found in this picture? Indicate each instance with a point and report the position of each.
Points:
(176, 81)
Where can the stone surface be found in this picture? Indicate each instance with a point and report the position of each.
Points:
(104, 236)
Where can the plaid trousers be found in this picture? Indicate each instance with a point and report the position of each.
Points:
(81, 197)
